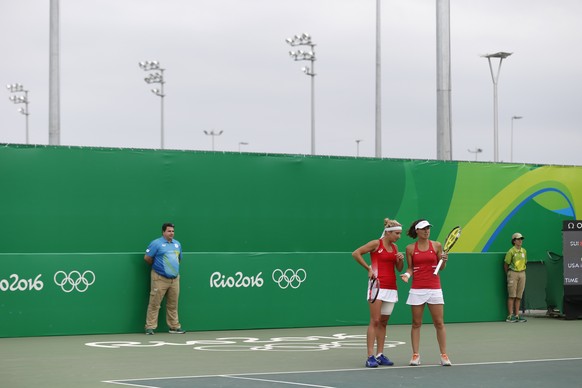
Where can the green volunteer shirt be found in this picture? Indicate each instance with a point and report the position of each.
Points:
(516, 259)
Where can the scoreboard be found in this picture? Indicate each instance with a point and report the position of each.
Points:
(572, 251)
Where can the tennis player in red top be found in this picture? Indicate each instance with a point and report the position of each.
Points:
(422, 258)
(385, 258)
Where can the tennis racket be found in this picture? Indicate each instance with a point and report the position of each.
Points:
(373, 289)
(452, 238)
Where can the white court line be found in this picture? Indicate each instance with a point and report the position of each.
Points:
(519, 361)
(120, 382)
(123, 382)
(277, 381)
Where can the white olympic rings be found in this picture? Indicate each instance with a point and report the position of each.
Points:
(74, 280)
(289, 277)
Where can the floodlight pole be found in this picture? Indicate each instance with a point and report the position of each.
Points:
(156, 78)
(495, 78)
(300, 55)
(54, 75)
(378, 128)
(20, 99)
(358, 141)
(213, 134)
(476, 151)
(242, 143)
(444, 126)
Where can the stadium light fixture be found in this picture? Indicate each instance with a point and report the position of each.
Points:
(242, 143)
(213, 134)
(156, 78)
(20, 99)
(476, 151)
(301, 55)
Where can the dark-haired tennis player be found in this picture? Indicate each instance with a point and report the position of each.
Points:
(422, 258)
(164, 255)
(385, 258)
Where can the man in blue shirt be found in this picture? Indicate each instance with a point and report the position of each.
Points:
(164, 255)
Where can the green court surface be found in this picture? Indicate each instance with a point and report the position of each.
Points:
(540, 352)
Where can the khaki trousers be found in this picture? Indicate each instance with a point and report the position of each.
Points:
(515, 284)
(160, 287)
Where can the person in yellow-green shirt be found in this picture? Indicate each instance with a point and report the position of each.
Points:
(514, 265)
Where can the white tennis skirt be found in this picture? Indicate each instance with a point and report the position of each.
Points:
(386, 295)
(418, 296)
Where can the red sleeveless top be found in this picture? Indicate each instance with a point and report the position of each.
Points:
(423, 266)
(383, 263)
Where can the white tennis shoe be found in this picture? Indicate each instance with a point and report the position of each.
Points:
(415, 360)
(445, 360)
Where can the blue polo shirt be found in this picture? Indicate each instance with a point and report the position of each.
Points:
(166, 255)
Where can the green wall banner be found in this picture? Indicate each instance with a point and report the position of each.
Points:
(242, 217)
(77, 293)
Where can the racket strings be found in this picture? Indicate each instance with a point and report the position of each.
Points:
(452, 239)
(373, 289)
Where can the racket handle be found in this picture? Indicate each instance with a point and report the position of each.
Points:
(436, 270)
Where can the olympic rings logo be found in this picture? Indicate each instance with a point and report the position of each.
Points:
(74, 280)
(289, 277)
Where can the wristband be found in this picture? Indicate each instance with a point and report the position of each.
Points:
(406, 274)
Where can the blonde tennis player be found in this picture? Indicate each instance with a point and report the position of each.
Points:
(385, 259)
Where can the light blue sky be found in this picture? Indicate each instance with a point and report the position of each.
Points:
(227, 68)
